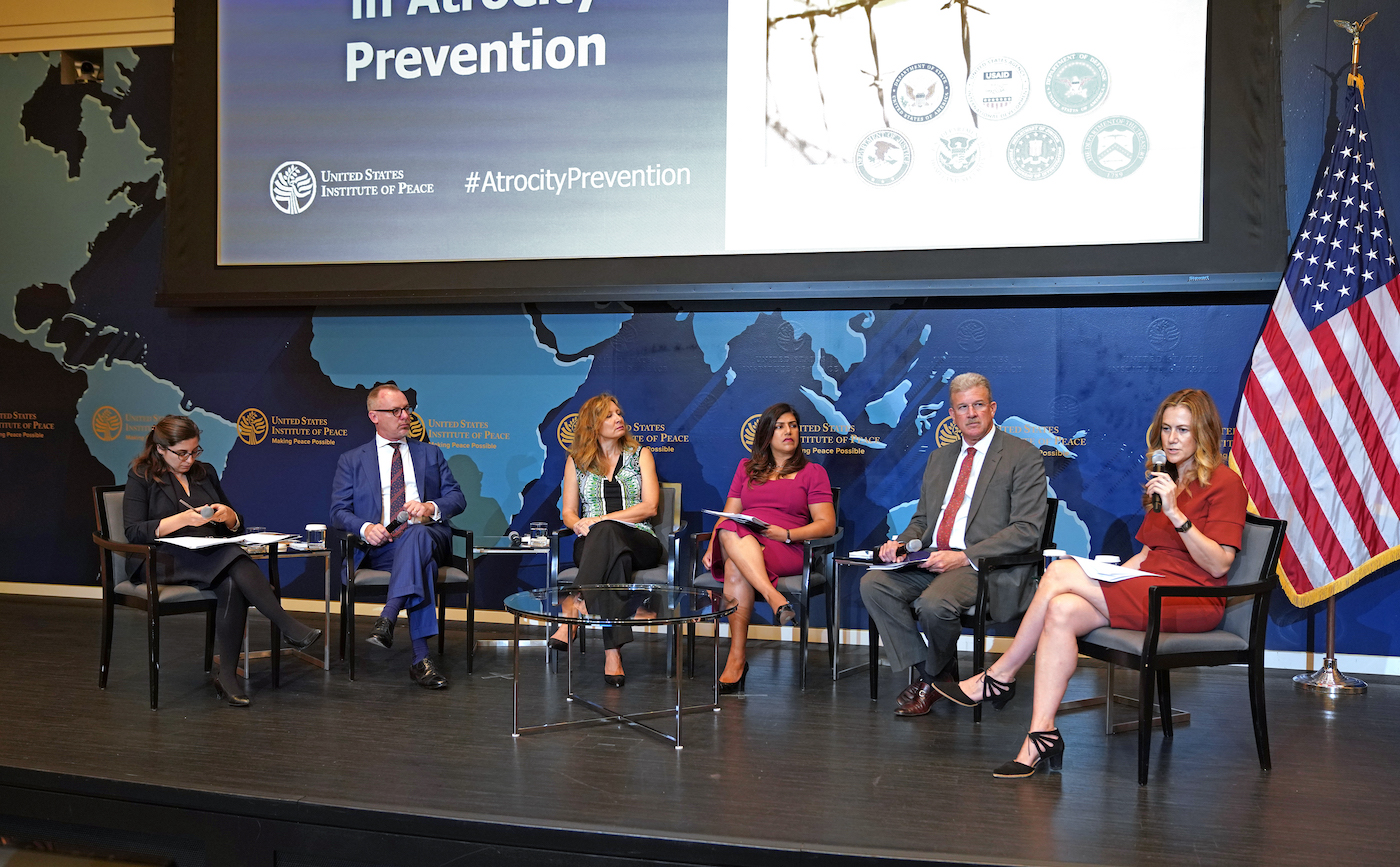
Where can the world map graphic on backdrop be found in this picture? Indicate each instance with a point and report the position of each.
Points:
(280, 394)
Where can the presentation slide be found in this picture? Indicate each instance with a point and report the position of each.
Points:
(478, 130)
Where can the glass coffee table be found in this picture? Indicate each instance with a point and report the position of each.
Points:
(638, 605)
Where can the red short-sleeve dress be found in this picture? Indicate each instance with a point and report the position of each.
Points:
(783, 503)
(1217, 511)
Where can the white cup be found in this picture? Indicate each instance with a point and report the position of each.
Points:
(316, 537)
(1112, 559)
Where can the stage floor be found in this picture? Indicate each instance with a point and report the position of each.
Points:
(777, 776)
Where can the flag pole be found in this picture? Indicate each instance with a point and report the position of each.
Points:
(1329, 678)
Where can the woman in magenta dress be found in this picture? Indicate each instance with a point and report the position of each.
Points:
(1191, 542)
(778, 485)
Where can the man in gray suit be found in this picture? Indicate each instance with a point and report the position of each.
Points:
(981, 497)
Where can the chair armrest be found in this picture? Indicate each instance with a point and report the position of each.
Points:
(823, 541)
(1228, 592)
(121, 547)
(1006, 561)
(697, 538)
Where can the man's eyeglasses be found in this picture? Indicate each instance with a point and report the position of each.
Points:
(182, 454)
(400, 412)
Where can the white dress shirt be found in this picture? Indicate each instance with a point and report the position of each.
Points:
(957, 540)
(384, 450)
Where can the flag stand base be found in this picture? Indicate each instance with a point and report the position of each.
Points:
(1329, 679)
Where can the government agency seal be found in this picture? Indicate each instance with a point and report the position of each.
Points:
(959, 153)
(998, 88)
(883, 157)
(1035, 152)
(920, 92)
(1115, 147)
(1077, 83)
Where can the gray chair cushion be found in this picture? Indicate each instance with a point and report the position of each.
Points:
(451, 575)
(569, 575)
(1131, 641)
(654, 575)
(371, 578)
(708, 581)
(168, 592)
(792, 584)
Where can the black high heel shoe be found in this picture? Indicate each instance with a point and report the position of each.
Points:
(1050, 752)
(614, 679)
(561, 644)
(993, 691)
(305, 642)
(235, 699)
(727, 688)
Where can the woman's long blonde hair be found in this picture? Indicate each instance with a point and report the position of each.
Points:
(586, 452)
(1205, 427)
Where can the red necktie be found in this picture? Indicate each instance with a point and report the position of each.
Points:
(945, 526)
(397, 495)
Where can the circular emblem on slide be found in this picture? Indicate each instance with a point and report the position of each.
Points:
(1077, 83)
(1115, 147)
(106, 423)
(293, 187)
(565, 431)
(998, 88)
(920, 92)
(947, 432)
(416, 428)
(971, 335)
(883, 157)
(252, 426)
(1163, 334)
(1035, 152)
(1064, 408)
(747, 430)
(959, 156)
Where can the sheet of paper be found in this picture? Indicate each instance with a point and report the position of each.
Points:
(195, 543)
(1108, 572)
(740, 518)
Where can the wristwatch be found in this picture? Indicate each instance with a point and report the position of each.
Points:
(1184, 527)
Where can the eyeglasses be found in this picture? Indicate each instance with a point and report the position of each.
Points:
(400, 412)
(182, 454)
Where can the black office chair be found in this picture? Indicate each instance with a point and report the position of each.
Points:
(457, 575)
(817, 569)
(157, 600)
(1239, 640)
(975, 618)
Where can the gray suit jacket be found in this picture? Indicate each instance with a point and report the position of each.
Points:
(1007, 514)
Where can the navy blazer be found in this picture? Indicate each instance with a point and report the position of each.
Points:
(357, 498)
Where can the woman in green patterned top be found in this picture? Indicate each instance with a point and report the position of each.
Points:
(609, 491)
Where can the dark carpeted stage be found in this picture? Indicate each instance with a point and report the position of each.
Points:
(328, 772)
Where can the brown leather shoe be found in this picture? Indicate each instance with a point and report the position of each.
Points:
(922, 702)
(909, 693)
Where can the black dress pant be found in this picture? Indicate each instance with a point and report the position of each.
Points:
(609, 554)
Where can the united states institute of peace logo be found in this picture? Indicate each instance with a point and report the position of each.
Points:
(566, 430)
(748, 429)
(1077, 83)
(416, 428)
(920, 92)
(106, 423)
(252, 426)
(998, 88)
(293, 187)
(947, 432)
(958, 155)
(1035, 152)
(883, 157)
(1115, 147)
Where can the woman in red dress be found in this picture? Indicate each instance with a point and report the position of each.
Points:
(777, 485)
(1192, 541)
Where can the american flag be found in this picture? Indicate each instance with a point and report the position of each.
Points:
(1318, 436)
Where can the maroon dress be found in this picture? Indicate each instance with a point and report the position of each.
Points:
(1217, 511)
(783, 503)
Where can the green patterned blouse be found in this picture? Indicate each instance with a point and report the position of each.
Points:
(628, 475)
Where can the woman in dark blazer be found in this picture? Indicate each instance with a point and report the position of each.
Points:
(168, 492)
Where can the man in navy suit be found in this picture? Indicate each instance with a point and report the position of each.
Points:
(380, 480)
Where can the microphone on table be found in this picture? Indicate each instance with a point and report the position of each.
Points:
(399, 520)
(1159, 460)
(909, 547)
(514, 538)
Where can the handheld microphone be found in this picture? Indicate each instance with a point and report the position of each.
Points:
(909, 547)
(1159, 460)
(399, 520)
